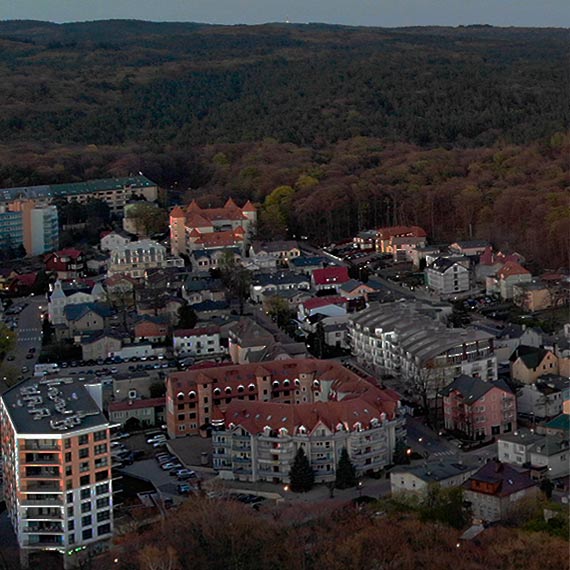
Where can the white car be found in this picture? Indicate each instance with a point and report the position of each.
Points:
(156, 438)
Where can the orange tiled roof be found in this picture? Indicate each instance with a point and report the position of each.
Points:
(511, 268)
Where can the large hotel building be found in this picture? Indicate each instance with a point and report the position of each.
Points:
(261, 413)
(57, 468)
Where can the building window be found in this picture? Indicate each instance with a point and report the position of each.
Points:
(70, 497)
(87, 534)
(86, 520)
(68, 457)
(103, 516)
(99, 449)
(102, 489)
(83, 439)
(103, 502)
(85, 507)
(84, 480)
(84, 453)
(85, 493)
(100, 435)
(103, 529)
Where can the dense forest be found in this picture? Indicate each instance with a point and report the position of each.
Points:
(463, 130)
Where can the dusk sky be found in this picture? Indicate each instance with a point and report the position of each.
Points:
(353, 12)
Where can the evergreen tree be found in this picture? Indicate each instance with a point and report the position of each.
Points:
(345, 472)
(301, 475)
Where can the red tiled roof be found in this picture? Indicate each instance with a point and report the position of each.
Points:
(511, 268)
(219, 239)
(503, 479)
(177, 212)
(137, 404)
(317, 302)
(331, 275)
(69, 252)
(392, 231)
(249, 207)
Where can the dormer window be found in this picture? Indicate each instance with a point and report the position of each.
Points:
(217, 391)
(228, 390)
(286, 382)
(275, 384)
(297, 382)
(192, 394)
(251, 387)
(240, 388)
(180, 396)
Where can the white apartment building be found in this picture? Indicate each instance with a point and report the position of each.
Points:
(57, 469)
(201, 341)
(404, 339)
(135, 258)
(448, 276)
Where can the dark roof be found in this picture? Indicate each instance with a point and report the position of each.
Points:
(509, 480)
(306, 261)
(210, 306)
(351, 285)
(435, 471)
(274, 246)
(280, 278)
(75, 188)
(75, 312)
(561, 422)
(192, 284)
(530, 355)
(54, 406)
(473, 388)
(472, 243)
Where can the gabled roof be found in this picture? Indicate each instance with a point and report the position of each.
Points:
(331, 276)
(511, 268)
(75, 312)
(249, 207)
(177, 212)
(317, 302)
(505, 479)
(531, 356)
(351, 285)
(472, 389)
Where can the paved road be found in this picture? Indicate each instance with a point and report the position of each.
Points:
(29, 335)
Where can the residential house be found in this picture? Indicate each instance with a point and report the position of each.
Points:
(151, 328)
(544, 399)
(100, 345)
(419, 255)
(478, 409)
(135, 258)
(203, 260)
(120, 286)
(510, 336)
(495, 489)
(289, 296)
(210, 309)
(509, 275)
(538, 295)
(149, 412)
(418, 478)
(366, 239)
(195, 227)
(529, 363)
(560, 425)
(196, 290)
(547, 456)
(247, 336)
(280, 252)
(160, 303)
(112, 240)
(470, 247)
(198, 342)
(67, 263)
(270, 283)
(331, 306)
(490, 262)
(329, 278)
(448, 276)
(400, 241)
(306, 264)
(354, 289)
(86, 317)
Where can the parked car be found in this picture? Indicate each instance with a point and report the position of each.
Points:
(184, 489)
(161, 443)
(171, 465)
(155, 438)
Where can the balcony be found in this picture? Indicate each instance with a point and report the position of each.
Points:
(43, 514)
(241, 447)
(41, 459)
(41, 487)
(45, 541)
(32, 445)
(47, 501)
(44, 528)
(39, 473)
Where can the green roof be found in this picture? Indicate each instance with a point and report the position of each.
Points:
(101, 185)
(561, 422)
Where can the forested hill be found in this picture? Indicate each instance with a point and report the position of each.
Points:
(115, 82)
(463, 131)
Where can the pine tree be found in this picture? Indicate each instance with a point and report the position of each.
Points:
(301, 475)
(345, 472)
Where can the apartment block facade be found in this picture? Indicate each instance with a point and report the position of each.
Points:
(406, 340)
(57, 468)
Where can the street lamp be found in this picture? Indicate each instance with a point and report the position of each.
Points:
(359, 486)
